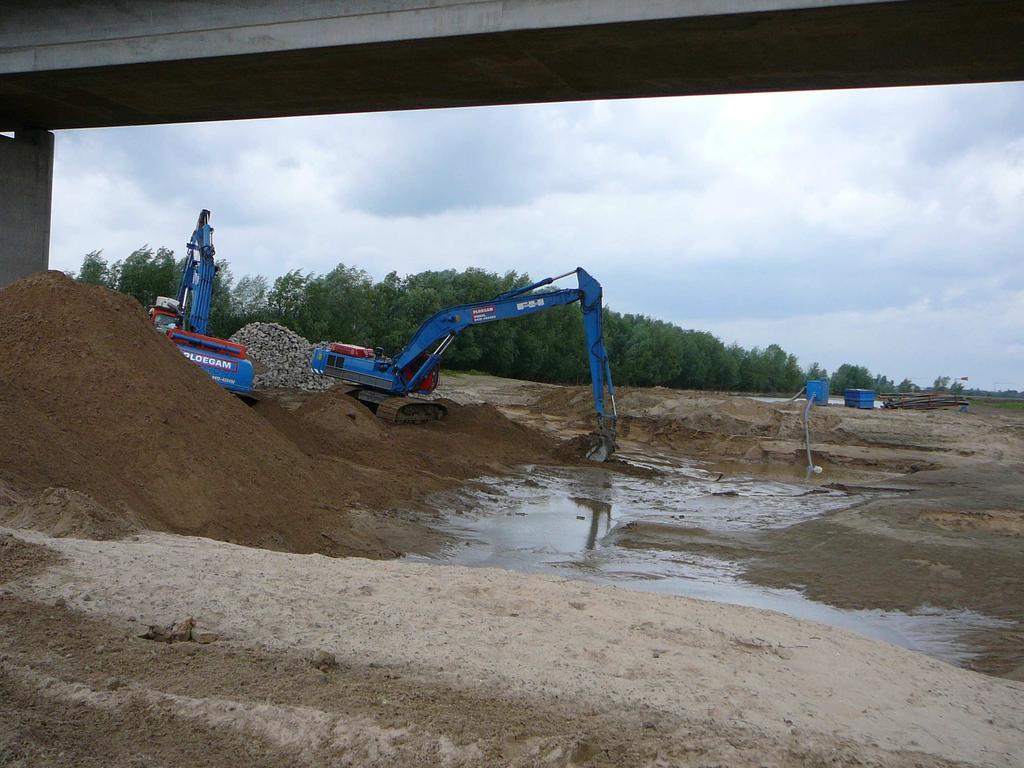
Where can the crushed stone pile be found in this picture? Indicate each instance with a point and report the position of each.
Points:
(280, 358)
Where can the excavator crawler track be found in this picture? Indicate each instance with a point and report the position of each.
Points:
(406, 410)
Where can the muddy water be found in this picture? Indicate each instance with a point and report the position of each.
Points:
(676, 533)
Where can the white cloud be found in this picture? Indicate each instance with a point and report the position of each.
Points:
(980, 339)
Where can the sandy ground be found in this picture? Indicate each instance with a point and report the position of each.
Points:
(627, 678)
(325, 661)
(850, 444)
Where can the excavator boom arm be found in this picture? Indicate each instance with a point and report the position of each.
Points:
(600, 369)
(197, 276)
(455, 320)
(421, 356)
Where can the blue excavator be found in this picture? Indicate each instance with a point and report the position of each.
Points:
(394, 387)
(185, 319)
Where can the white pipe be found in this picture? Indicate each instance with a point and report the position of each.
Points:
(811, 468)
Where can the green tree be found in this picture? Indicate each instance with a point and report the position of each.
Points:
(815, 371)
(221, 318)
(345, 304)
(907, 386)
(941, 383)
(849, 376)
(146, 274)
(95, 270)
(286, 299)
(884, 384)
(249, 298)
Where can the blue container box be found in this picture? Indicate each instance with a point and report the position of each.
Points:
(818, 388)
(859, 398)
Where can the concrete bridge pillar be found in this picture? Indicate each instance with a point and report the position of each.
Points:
(26, 190)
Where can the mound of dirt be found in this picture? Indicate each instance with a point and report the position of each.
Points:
(567, 401)
(330, 424)
(342, 416)
(731, 428)
(679, 412)
(65, 512)
(398, 466)
(21, 559)
(478, 439)
(1001, 522)
(499, 439)
(92, 399)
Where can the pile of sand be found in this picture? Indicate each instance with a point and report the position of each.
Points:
(383, 465)
(92, 399)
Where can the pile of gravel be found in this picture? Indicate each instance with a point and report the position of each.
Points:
(280, 357)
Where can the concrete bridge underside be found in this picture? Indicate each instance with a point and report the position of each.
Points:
(165, 62)
(67, 64)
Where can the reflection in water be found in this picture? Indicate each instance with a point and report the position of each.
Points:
(599, 510)
(559, 521)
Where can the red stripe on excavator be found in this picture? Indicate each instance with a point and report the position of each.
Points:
(212, 343)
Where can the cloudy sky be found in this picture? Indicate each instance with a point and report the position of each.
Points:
(879, 227)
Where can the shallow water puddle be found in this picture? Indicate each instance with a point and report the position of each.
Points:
(683, 532)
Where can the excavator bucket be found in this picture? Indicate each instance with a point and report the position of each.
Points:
(602, 445)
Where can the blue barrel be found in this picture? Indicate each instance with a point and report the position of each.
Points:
(859, 398)
(818, 388)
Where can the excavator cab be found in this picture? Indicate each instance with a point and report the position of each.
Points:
(427, 383)
(165, 315)
(163, 320)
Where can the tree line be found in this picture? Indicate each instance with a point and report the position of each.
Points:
(347, 305)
